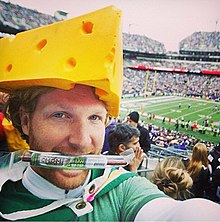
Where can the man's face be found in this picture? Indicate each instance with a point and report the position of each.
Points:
(131, 122)
(133, 143)
(69, 122)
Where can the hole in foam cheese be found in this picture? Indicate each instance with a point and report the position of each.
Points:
(109, 64)
(110, 57)
(87, 27)
(71, 63)
(9, 68)
(41, 44)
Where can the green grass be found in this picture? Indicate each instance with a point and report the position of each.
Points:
(169, 107)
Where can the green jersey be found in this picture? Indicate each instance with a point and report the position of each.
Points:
(118, 197)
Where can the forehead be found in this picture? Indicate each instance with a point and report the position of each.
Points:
(134, 139)
(129, 120)
(79, 95)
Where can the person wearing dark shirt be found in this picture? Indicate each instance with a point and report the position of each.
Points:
(145, 142)
(214, 157)
(214, 161)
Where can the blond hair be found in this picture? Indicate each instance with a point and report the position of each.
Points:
(27, 98)
(171, 177)
(198, 159)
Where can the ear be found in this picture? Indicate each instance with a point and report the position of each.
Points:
(25, 121)
(121, 148)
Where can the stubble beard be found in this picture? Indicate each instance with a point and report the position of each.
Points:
(59, 178)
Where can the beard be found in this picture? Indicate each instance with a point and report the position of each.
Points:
(64, 179)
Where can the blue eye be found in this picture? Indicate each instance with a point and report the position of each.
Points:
(59, 115)
(95, 117)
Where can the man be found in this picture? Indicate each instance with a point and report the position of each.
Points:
(123, 137)
(145, 142)
(62, 86)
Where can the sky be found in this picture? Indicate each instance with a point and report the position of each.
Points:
(167, 21)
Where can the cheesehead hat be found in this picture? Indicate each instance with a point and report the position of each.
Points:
(83, 50)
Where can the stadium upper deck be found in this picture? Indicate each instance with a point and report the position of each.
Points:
(14, 18)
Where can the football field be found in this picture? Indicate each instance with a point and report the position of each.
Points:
(174, 107)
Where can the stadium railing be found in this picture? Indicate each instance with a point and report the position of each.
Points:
(155, 154)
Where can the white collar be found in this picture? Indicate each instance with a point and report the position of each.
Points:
(43, 189)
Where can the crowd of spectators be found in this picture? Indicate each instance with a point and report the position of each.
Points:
(167, 83)
(171, 83)
(166, 137)
(141, 43)
(179, 64)
(163, 137)
(198, 41)
(21, 18)
(188, 85)
(201, 41)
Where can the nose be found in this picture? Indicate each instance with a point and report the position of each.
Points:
(80, 137)
(137, 145)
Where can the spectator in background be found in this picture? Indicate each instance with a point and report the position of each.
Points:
(171, 177)
(214, 161)
(177, 125)
(145, 142)
(198, 168)
(214, 157)
(122, 137)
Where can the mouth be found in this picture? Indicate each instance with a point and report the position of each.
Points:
(70, 173)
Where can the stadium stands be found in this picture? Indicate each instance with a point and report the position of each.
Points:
(201, 41)
(168, 83)
(14, 18)
(197, 52)
(138, 43)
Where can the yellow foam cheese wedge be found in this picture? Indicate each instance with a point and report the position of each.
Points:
(83, 50)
